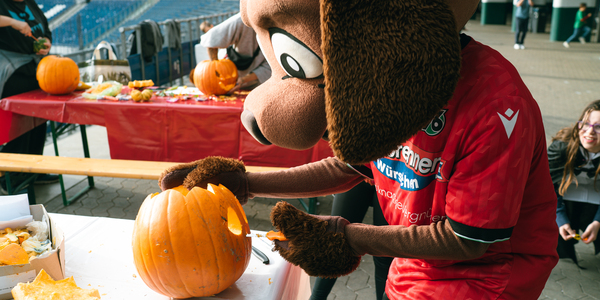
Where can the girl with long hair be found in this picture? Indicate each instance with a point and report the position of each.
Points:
(574, 158)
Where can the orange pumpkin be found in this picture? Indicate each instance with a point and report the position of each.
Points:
(215, 77)
(191, 243)
(192, 76)
(57, 75)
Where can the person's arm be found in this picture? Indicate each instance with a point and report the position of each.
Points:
(531, 3)
(263, 71)
(562, 220)
(325, 177)
(591, 232)
(435, 241)
(518, 3)
(20, 26)
(248, 80)
(561, 212)
(584, 19)
(213, 53)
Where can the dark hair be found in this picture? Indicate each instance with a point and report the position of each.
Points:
(583, 4)
(570, 135)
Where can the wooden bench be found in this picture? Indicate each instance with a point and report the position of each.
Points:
(119, 168)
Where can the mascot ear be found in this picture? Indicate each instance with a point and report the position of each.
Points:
(389, 67)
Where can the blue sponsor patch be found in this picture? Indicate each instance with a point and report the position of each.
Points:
(406, 176)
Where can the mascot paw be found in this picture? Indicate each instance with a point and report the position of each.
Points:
(317, 244)
(214, 169)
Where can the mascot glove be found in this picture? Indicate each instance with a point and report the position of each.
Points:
(315, 243)
(214, 169)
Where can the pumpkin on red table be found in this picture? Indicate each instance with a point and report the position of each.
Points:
(191, 243)
(215, 77)
(57, 75)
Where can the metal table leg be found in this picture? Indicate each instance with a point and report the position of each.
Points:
(86, 153)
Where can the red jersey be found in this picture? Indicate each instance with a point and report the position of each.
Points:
(482, 165)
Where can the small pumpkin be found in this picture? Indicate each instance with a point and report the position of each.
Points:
(215, 77)
(192, 76)
(57, 75)
(191, 243)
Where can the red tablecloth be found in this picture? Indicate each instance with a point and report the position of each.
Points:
(13, 125)
(162, 131)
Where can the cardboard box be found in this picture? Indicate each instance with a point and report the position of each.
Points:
(53, 261)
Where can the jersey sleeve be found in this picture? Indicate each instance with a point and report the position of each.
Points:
(491, 169)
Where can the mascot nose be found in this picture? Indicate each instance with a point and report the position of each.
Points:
(249, 122)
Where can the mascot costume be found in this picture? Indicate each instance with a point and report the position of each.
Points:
(442, 125)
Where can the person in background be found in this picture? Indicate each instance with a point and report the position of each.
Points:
(574, 158)
(353, 205)
(522, 20)
(242, 49)
(206, 26)
(20, 22)
(580, 28)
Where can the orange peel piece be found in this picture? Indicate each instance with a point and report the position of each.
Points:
(13, 254)
(273, 235)
(44, 287)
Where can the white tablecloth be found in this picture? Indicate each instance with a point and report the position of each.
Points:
(99, 255)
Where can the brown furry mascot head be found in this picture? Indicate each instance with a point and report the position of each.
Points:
(366, 75)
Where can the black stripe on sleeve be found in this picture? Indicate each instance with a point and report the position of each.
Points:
(480, 234)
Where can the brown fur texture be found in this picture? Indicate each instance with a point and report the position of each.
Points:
(389, 68)
(317, 244)
(213, 169)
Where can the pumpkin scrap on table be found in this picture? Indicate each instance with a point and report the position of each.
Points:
(19, 245)
(140, 83)
(107, 88)
(191, 243)
(82, 86)
(45, 288)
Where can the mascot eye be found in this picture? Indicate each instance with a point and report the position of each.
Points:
(294, 56)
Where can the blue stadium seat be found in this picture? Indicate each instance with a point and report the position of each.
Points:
(102, 16)
(53, 8)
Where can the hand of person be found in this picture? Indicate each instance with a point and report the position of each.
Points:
(237, 86)
(213, 169)
(591, 232)
(22, 27)
(315, 243)
(47, 50)
(566, 232)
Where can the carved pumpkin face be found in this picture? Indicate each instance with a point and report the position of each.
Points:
(57, 75)
(215, 77)
(191, 244)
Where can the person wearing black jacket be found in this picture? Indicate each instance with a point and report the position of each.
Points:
(574, 160)
(20, 22)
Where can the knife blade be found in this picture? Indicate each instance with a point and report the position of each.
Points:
(260, 255)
